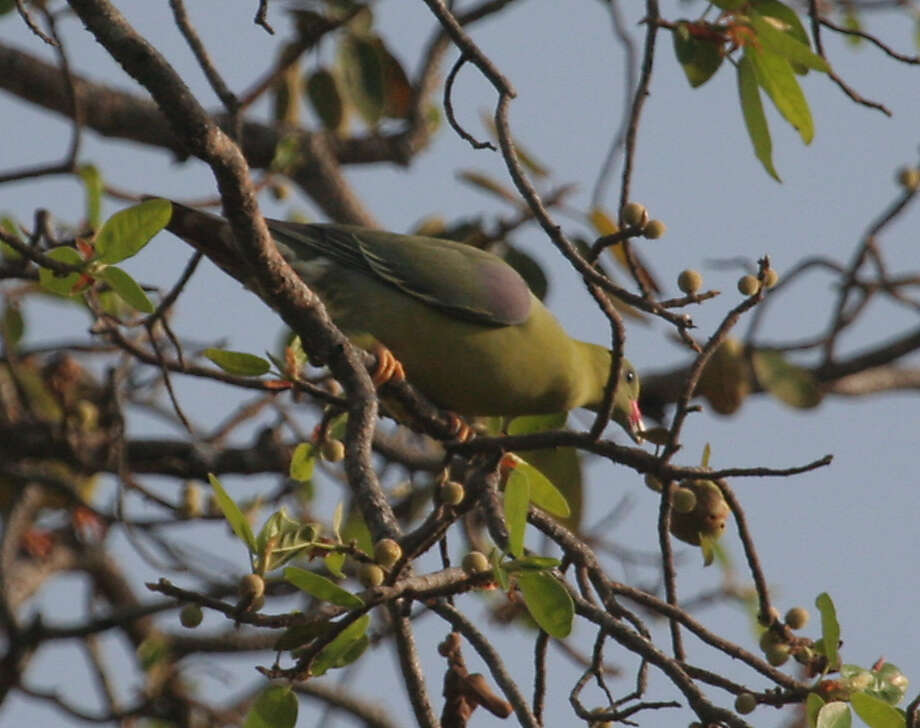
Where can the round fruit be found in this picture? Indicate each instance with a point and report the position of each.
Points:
(654, 229)
(635, 214)
(333, 450)
(653, 483)
(451, 493)
(770, 278)
(684, 500)
(778, 655)
(191, 616)
(690, 281)
(797, 617)
(748, 285)
(745, 703)
(387, 552)
(475, 562)
(769, 639)
(370, 575)
(251, 586)
(708, 517)
(909, 178)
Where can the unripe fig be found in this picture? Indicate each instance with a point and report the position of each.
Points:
(475, 562)
(745, 703)
(387, 552)
(797, 617)
(684, 500)
(333, 450)
(654, 229)
(909, 178)
(370, 575)
(770, 278)
(778, 654)
(451, 493)
(635, 214)
(748, 285)
(690, 281)
(191, 616)
(251, 586)
(708, 516)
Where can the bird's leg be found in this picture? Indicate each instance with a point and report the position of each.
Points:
(389, 368)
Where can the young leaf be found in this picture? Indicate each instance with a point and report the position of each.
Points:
(834, 715)
(362, 69)
(276, 707)
(786, 45)
(92, 181)
(548, 602)
(12, 325)
(830, 628)
(543, 493)
(786, 16)
(238, 362)
(517, 500)
(127, 288)
(699, 57)
(876, 713)
(533, 563)
(129, 230)
(754, 118)
(233, 514)
(303, 461)
(323, 92)
(813, 705)
(344, 649)
(321, 588)
(334, 561)
(775, 76)
(61, 284)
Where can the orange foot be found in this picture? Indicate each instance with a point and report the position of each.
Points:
(459, 429)
(389, 368)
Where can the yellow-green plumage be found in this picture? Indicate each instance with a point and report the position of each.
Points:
(469, 333)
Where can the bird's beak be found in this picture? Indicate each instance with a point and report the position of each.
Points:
(636, 425)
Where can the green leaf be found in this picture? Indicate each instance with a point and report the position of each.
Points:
(276, 707)
(355, 529)
(487, 184)
(786, 45)
(397, 87)
(543, 493)
(789, 383)
(775, 76)
(12, 326)
(233, 514)
(283, 538)
(786, 16)
(303, 460)
(128, 231)
(517, 500)
(813, 705)
(834, 715)
(699, 57)
(334, 561)
(238, 362)
(347, 647)
(548, 602)
(127, 288)
(61, 284)
(321, 588)
(92, 182)
(754, 118)
(707, 452)
(530, 563)
(498, 570)
(362, 70)
(532, 272)
(299, 635)
(875, 712)
(323, 92)
(830, 628)
(890, 684)
(9, 226)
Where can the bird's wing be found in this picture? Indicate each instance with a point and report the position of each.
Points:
(459, 279)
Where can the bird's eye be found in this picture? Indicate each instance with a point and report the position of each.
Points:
(630, 375)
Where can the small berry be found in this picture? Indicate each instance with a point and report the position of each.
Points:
(251, 587)
(770, 278)
(769, 639)
(653, 483)
(909, 178)
(684, 500)
(257, 603)
(767, 620)
(778, 655)
(451, 493)
(690, 281)
(333, 450)
(797, 617)
(370, 575)
(635, 214)
(191, 616)
(748, 285)
(387, 552)
(475, 562)
(745, 703)
(654, 229)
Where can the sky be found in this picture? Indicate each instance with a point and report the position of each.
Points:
(849, 529)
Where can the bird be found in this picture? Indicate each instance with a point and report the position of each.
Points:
(466, 328)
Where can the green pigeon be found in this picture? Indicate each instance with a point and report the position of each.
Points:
(469, 333)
